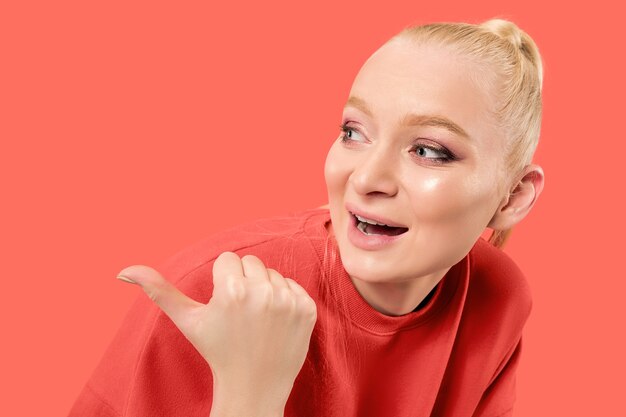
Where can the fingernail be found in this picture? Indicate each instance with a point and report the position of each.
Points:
(123, 278)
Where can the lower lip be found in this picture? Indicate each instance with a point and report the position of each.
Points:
(368, 242)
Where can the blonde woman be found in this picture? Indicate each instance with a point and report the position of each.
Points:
(386, 302)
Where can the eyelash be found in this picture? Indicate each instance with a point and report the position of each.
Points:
(448, 156)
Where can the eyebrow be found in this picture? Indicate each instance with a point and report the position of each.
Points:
(411, 119)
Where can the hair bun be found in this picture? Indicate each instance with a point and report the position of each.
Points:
(510, 32)
(505, 30)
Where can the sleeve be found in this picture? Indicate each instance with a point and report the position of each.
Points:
(150, 369)
(499, 397)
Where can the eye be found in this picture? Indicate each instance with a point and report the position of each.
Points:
(433, 153)
(348, 134)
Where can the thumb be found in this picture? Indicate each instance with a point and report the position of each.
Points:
(174, 303)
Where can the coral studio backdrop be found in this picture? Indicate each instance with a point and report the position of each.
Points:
(130, 130)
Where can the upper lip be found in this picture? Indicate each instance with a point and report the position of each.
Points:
(378, 219)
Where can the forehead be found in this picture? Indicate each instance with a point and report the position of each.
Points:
(404, 77)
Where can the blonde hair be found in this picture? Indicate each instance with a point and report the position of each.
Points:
(514, 59)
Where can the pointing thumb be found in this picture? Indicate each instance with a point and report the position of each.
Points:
(150, 280)
(173, 302)
(138, 274)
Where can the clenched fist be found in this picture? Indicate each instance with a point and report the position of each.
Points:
(254, 332)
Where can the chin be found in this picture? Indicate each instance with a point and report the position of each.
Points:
(366, 269)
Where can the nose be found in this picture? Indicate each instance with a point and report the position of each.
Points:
(375, 172)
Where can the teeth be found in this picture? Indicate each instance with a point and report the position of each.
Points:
(361, 226)
(363, 219)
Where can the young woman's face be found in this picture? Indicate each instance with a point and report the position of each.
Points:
(419, 150)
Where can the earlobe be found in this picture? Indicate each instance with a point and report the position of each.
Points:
(517, 204)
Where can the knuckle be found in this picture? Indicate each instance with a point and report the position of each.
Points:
(265, 292)
(309, 308)
(284, 300)
(233, 277)
(250, 258)
(152, 294)
(297, 288)
(274, 274)
(225, 255)
(153, 291)
(236, 291)
(232, 291)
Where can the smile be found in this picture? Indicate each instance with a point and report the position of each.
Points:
(372, 227)
(372, 235)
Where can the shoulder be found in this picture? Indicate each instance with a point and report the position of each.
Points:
(497, 286)
(277, 241)
(148, 339)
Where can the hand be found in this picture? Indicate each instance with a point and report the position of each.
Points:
(254, 332)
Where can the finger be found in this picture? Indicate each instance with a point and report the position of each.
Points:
(226, 267)
(304, 297)
(254, 269)
(296, 288)
(277, 279)
(174, 303)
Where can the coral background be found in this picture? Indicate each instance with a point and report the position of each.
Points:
(131, 129)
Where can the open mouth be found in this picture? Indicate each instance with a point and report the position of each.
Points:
(370, 227)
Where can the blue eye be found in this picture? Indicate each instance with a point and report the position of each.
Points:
(423, 150)
(348, 133)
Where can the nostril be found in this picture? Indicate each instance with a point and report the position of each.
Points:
(373, 184)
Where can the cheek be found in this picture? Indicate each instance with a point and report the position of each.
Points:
(453, 198)
(336, 171)
(450, 214)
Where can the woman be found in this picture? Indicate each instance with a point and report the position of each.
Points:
(385, 303)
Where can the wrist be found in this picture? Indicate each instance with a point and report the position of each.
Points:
(241, 400)
(236, 406)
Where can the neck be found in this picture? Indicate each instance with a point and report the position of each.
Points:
(397, 298)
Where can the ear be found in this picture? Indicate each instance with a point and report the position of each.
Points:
(516, 205)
